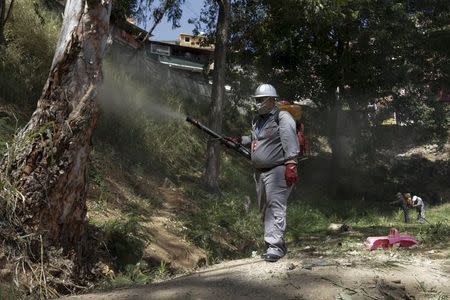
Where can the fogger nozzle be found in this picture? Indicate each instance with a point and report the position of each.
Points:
(236, 147)
(190, 120)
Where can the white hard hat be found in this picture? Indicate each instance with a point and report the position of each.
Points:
(265, 90)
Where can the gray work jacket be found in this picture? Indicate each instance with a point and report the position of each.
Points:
(417, 201)
(273, 144)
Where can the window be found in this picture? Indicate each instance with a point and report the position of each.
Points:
(160, 49)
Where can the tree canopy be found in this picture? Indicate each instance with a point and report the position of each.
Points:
(389, 51)
(148, 11)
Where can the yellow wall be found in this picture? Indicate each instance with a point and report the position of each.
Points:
(193, 41)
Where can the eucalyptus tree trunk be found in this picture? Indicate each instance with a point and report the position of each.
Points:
(47, 163)
(218, 94)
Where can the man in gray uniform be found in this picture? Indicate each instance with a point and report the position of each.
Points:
(419, 205)
(274, 150)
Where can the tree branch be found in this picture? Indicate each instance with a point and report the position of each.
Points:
(9, 12)
(157, 21)
(2, 11)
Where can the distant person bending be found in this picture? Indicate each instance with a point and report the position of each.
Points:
(419, 205)
(405, 205)
(407, 202)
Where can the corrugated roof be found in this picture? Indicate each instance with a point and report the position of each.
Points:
(181, 63)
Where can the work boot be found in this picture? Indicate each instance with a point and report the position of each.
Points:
(271, 257)
(273, 253)
(276, 249)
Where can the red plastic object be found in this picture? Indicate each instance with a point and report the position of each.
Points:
(394, 237)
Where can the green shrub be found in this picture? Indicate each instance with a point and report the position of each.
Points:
(303, 220)
(138, 273)
(223, 226)
(438, 232)
(236, 175)
(124, 241)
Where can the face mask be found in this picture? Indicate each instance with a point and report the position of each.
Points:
(262, 108)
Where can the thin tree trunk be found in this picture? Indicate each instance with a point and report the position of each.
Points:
(8, 14)
(47, 163)
(4, 16)
(218, 94)
(150, 32)
(2, 23)
(336, 151)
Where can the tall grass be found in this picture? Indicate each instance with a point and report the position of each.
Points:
(31, 34)
(124, 241)
(149, 122)
(8, 126)
(304, 220)
(223, 225)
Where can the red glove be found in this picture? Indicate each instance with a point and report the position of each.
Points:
(234, 139)
(290, 174)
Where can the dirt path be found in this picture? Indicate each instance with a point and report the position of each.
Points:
(125, 194)
(369, 275)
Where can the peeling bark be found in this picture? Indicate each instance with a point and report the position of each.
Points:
(48, 160)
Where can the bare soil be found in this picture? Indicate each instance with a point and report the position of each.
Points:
(390, 274)
(164, 235)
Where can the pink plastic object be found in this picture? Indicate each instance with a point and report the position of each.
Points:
(385, 242)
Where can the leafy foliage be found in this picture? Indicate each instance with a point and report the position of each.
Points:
(370, 50)
(223, 226)
(145, 11)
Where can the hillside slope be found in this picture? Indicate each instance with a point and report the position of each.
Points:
(116, 194)
(335, 267)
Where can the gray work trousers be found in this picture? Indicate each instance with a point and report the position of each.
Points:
(420, 212)
(419, 209)
(272, 193)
